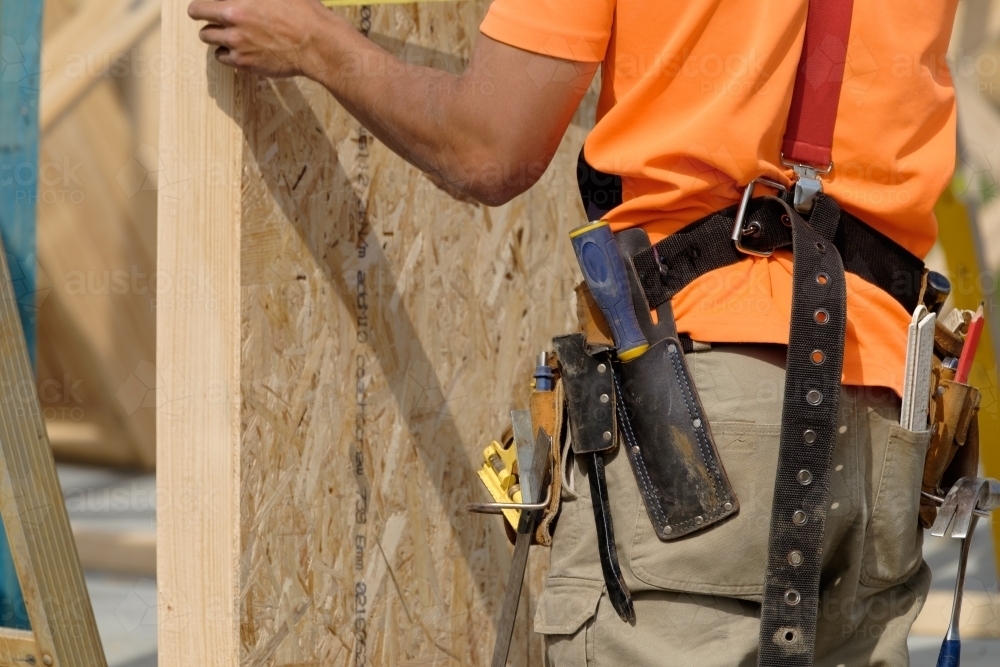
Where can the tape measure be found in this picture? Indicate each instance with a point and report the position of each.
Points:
(499, 474)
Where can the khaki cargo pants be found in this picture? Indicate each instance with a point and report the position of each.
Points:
(697, 598)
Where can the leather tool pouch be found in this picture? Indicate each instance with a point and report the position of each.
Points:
(953, 452)
(670, 445)
(589, 394)
(548, 411)
(667, 436)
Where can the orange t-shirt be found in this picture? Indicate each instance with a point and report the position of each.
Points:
(693, 105)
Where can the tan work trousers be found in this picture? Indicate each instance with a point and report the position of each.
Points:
(697, 598)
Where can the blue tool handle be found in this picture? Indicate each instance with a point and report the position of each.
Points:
(951, 653)
(604, 271)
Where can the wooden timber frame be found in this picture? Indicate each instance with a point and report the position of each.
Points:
(341, 341)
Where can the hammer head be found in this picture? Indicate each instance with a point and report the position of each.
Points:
(968, 495)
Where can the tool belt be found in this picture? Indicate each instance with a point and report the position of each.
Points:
(651, 404)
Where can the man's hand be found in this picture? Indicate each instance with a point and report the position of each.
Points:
(273, 38)
(488, 133)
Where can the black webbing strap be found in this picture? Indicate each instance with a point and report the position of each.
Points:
(809, 417)
(705, 245)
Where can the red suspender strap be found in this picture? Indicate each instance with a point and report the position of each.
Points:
(809, 134)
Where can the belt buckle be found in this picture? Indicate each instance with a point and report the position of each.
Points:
(741, 212)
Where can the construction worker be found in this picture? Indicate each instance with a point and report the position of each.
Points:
(696, 102)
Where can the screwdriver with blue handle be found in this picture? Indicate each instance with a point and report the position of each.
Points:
(604, 270)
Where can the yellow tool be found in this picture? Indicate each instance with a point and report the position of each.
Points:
(499, 474)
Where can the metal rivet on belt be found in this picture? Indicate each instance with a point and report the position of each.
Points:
(601, 368)
(698, 521)
(792, 597)
(607, 436)
(671, 348)
(635, 449)
(790, 635)
(696, 423)
(795, 558)
(667, 530)
(817, 357)
(605, 398)
(820, 246)
(728, 507)
(822, 278)
(805, 477)
(785, 220)
(799, 517)
(809, 436)
(822, 316)
(814, 397)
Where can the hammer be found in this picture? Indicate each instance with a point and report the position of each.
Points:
(969, 499)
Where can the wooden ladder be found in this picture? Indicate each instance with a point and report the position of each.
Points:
(63, 630)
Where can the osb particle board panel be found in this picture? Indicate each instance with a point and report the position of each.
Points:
(387, 330)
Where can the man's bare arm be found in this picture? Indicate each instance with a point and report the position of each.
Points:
(488, 133)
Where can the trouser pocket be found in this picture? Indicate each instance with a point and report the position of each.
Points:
(564, 616)
(893, 539)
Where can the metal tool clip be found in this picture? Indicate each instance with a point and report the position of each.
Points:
(753, 228)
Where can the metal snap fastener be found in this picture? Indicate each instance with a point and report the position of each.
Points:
(792, 597)
(606, 435)
(605, 398)
(805, 477)
(671, 348)
(822, 278)
(822, 316)
(795, 558)
(728, 507)
(698, 521)
(809, 436)
(601, 368)
(696, 423)
(814, 397)
(817, 357)
(799, 517)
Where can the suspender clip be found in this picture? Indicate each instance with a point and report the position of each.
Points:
(807, 185)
